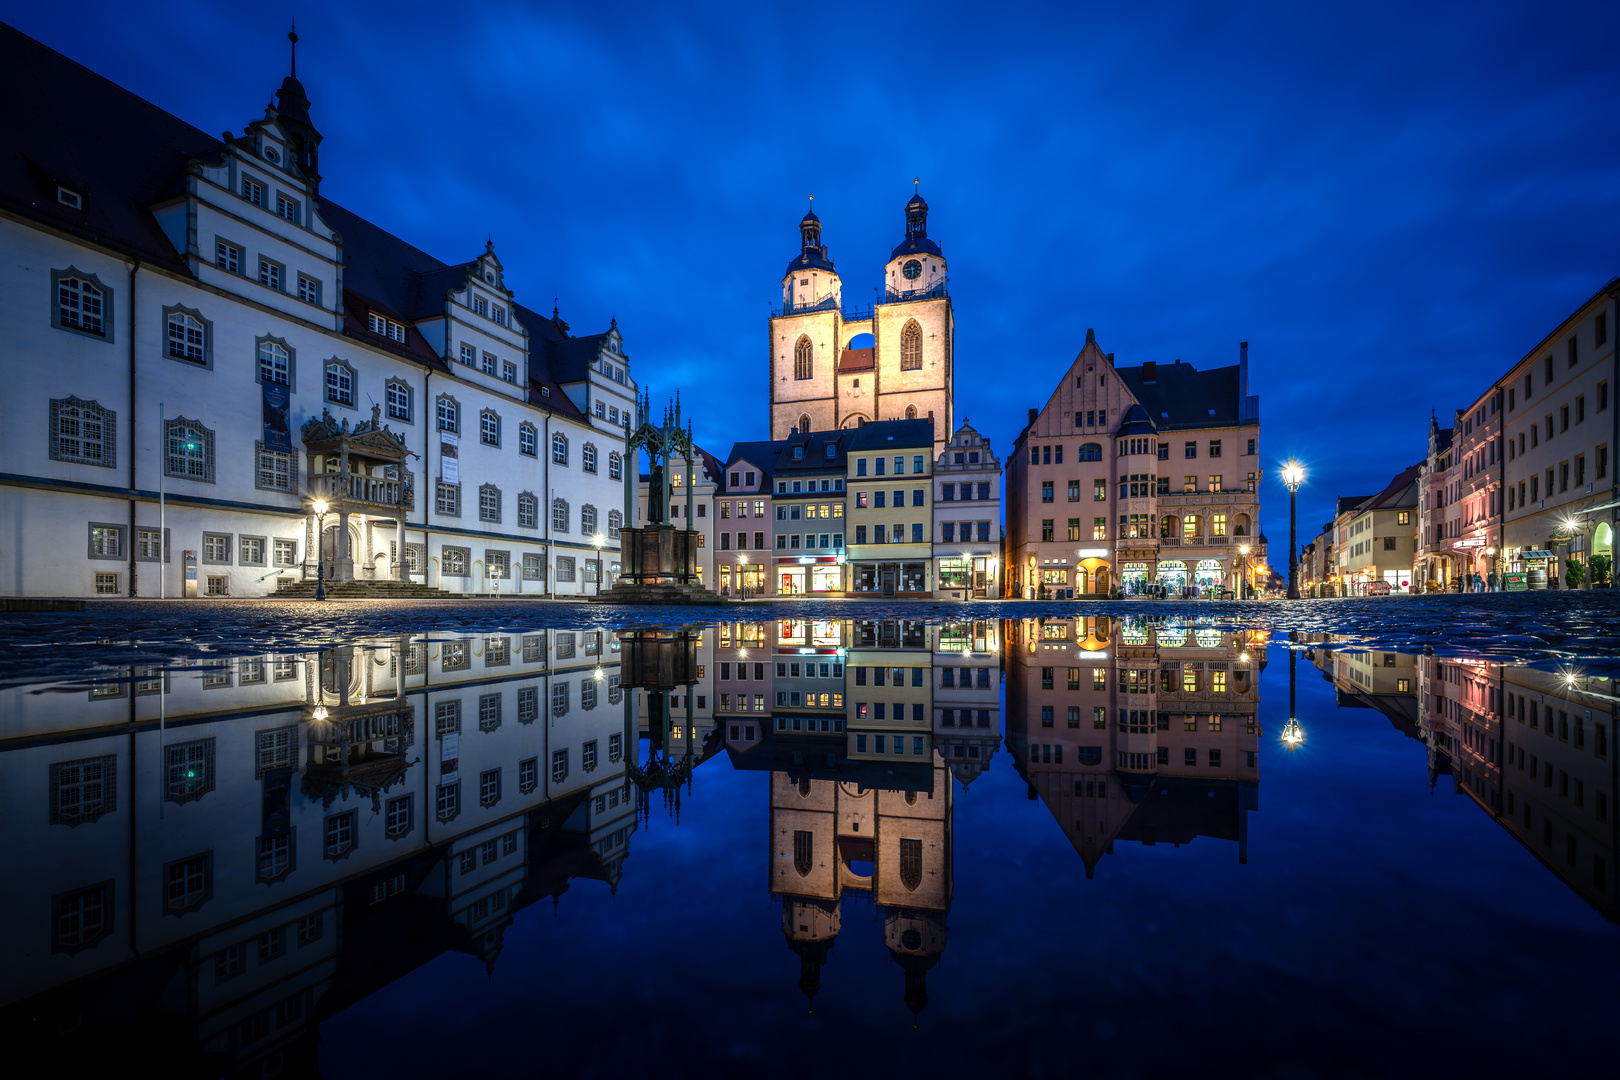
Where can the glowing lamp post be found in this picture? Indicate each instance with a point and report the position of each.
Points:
(1292, 734)
(320, 557)
(1243, 574)
(1293, 475)
(742, 574)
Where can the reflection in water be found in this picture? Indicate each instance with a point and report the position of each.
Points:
(1530, 748)
(1136, 729)
(227, 855)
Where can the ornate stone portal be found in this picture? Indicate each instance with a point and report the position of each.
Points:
(659, 562)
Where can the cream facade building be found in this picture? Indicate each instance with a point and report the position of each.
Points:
(1380, 537)
(967, 518)
(839, 364)
(1562, 427)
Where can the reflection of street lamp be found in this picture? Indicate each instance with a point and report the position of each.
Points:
(1293, 475)
(597, 541)
(742, 574)
(319, 507)
(1292, 734)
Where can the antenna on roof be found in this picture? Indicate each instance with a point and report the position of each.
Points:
(292, 36)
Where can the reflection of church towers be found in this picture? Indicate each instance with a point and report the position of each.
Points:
(1135, 729)
(862, 829)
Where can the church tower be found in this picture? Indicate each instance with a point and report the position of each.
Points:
(839, 366)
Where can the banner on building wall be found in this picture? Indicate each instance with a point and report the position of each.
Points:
(449, 757)
(277, 428)
(449, 457)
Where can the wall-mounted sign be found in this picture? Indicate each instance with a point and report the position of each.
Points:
(1469, 542)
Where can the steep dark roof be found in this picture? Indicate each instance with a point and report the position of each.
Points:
(570, 359)
(893, 434)
(131, 156)
(1137, 422)
(1399, 495)
(815, 458)
(1442, 439)
(1182, 397)
(920, 245)
(761, 453)
(1348, 502)
(811, 258)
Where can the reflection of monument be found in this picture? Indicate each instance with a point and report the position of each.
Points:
(1136, 729)
(660, 661)
(659, 562)
(847, 828)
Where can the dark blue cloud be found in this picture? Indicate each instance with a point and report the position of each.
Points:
(1391, 204)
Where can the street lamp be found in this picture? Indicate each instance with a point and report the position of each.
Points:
(1243, 577)
(742, 574)
(319, 507)
(1293, 475)
(597, 541)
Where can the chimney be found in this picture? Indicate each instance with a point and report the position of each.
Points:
(1033, 413)
(1150, 371)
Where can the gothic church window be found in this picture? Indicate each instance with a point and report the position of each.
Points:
(911, 863)
(911, 412)
(911, 347)
(804, 425)
(803, 852)
(803, 366)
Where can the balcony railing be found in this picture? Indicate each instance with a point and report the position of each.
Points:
(905, 296)
(355, 487)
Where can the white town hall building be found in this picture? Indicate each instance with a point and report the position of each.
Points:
(190, 317)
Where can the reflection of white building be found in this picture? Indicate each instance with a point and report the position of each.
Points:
(194, 318)
(967, 695)
(243, 827)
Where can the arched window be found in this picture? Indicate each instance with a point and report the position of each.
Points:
(911, 412)
(615, 523)
(803, 358)
(910, 863)
(559, 448)
(615, 467)
(803, 851)
(587, 457)
(489, 503)
(83, 431)
(1089, 452)
(587, 519)
(81, 306)
(449, 415)
(188, 337)
(399, 400)
(911, 346)
(559, 515)
(804, 424)
(528, 439)
(275, 363)
(528, 510)
(191, 451)
(339, 383)
(489, 428)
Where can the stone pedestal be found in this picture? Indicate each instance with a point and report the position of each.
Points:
(659, 566)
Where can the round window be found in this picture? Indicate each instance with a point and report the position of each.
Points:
(271, 154)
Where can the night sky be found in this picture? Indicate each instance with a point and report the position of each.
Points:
(1391, 203)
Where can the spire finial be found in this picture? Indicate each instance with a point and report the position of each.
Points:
(292, 36)
(812, 200)
(916, 185)
(555, 311)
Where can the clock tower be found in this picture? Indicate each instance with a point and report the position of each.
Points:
(838, 366)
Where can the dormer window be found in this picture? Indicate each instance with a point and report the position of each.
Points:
(489, 276)
(499, 315)
(388, 328)
(70, 198)
(252, 191)
(480, 306)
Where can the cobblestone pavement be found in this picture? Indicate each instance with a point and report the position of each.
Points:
(1543, 628)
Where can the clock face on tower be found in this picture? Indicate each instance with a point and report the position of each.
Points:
(912, 269)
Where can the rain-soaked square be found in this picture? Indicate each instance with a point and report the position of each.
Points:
(394, 839)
